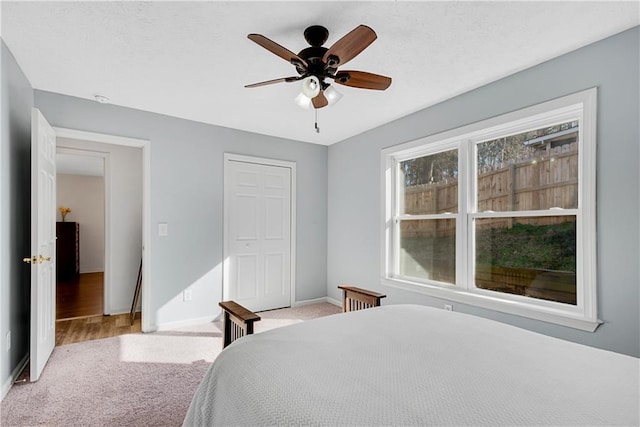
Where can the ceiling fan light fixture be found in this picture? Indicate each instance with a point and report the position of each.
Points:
(311, 87)
(332, 95)
(303, 101)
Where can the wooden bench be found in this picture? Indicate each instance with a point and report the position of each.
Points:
(357, 299)
(238, 321)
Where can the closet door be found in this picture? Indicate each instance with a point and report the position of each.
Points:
(258, 235)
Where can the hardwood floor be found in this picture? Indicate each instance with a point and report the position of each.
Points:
(95, 327)
(79, 312)
(80, 297)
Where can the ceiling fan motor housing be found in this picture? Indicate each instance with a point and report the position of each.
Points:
(316, 35)
(313, 56)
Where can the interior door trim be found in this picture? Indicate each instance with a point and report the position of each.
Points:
(148, 318)
(230, 157)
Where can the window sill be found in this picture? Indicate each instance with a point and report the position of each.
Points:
(558, 316)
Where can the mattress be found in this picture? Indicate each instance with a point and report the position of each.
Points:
(414, 365)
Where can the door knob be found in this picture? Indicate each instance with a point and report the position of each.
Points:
(36, 259)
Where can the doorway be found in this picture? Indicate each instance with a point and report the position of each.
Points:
(44, 141)
(105, 189)
(80, 231)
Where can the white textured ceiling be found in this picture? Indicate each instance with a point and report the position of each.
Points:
(192, 59)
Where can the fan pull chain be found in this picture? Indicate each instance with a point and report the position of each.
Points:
(317, 128)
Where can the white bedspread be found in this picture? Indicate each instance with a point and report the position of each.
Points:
(414, 365)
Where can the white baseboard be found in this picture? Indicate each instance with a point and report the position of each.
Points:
(189, 322)
(317, 301)
(119, 311)
(6, 386)
(334, 301)
(207, 319)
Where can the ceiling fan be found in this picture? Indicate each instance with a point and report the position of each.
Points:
(316, 64)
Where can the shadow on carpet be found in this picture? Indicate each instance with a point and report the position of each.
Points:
(136, 379)
(130, 380)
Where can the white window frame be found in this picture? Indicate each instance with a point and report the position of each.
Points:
(580, 106)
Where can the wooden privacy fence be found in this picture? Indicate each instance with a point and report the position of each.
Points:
(531, 183)
(551, 285)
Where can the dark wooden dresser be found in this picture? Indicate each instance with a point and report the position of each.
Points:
(68, 250)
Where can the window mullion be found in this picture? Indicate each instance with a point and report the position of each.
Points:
(398, 177)
(426, 216)
(462, 238)
(522, 214)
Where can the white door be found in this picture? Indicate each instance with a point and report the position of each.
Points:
(43, 243)
(258, 235)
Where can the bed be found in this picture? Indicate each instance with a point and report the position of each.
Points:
(414, 365)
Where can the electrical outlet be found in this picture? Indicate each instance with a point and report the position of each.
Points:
(187, 295)
(448, 307)
(8, 340)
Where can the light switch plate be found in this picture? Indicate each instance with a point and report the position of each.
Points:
(163, 229)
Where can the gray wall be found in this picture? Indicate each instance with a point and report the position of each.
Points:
(187, 193)
(612, 66)
(15, 207)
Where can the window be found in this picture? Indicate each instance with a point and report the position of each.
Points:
(499, 214)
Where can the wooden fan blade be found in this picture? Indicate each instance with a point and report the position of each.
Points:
(270, 82)
(362, 80)
(351, 45)
(274, 47)
(320, 101)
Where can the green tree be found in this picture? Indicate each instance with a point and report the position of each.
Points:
(442, 167)
(430, 169)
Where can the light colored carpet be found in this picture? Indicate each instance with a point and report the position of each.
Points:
(135, 379)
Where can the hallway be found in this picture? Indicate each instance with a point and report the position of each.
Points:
(79, 312)
(80, 297)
